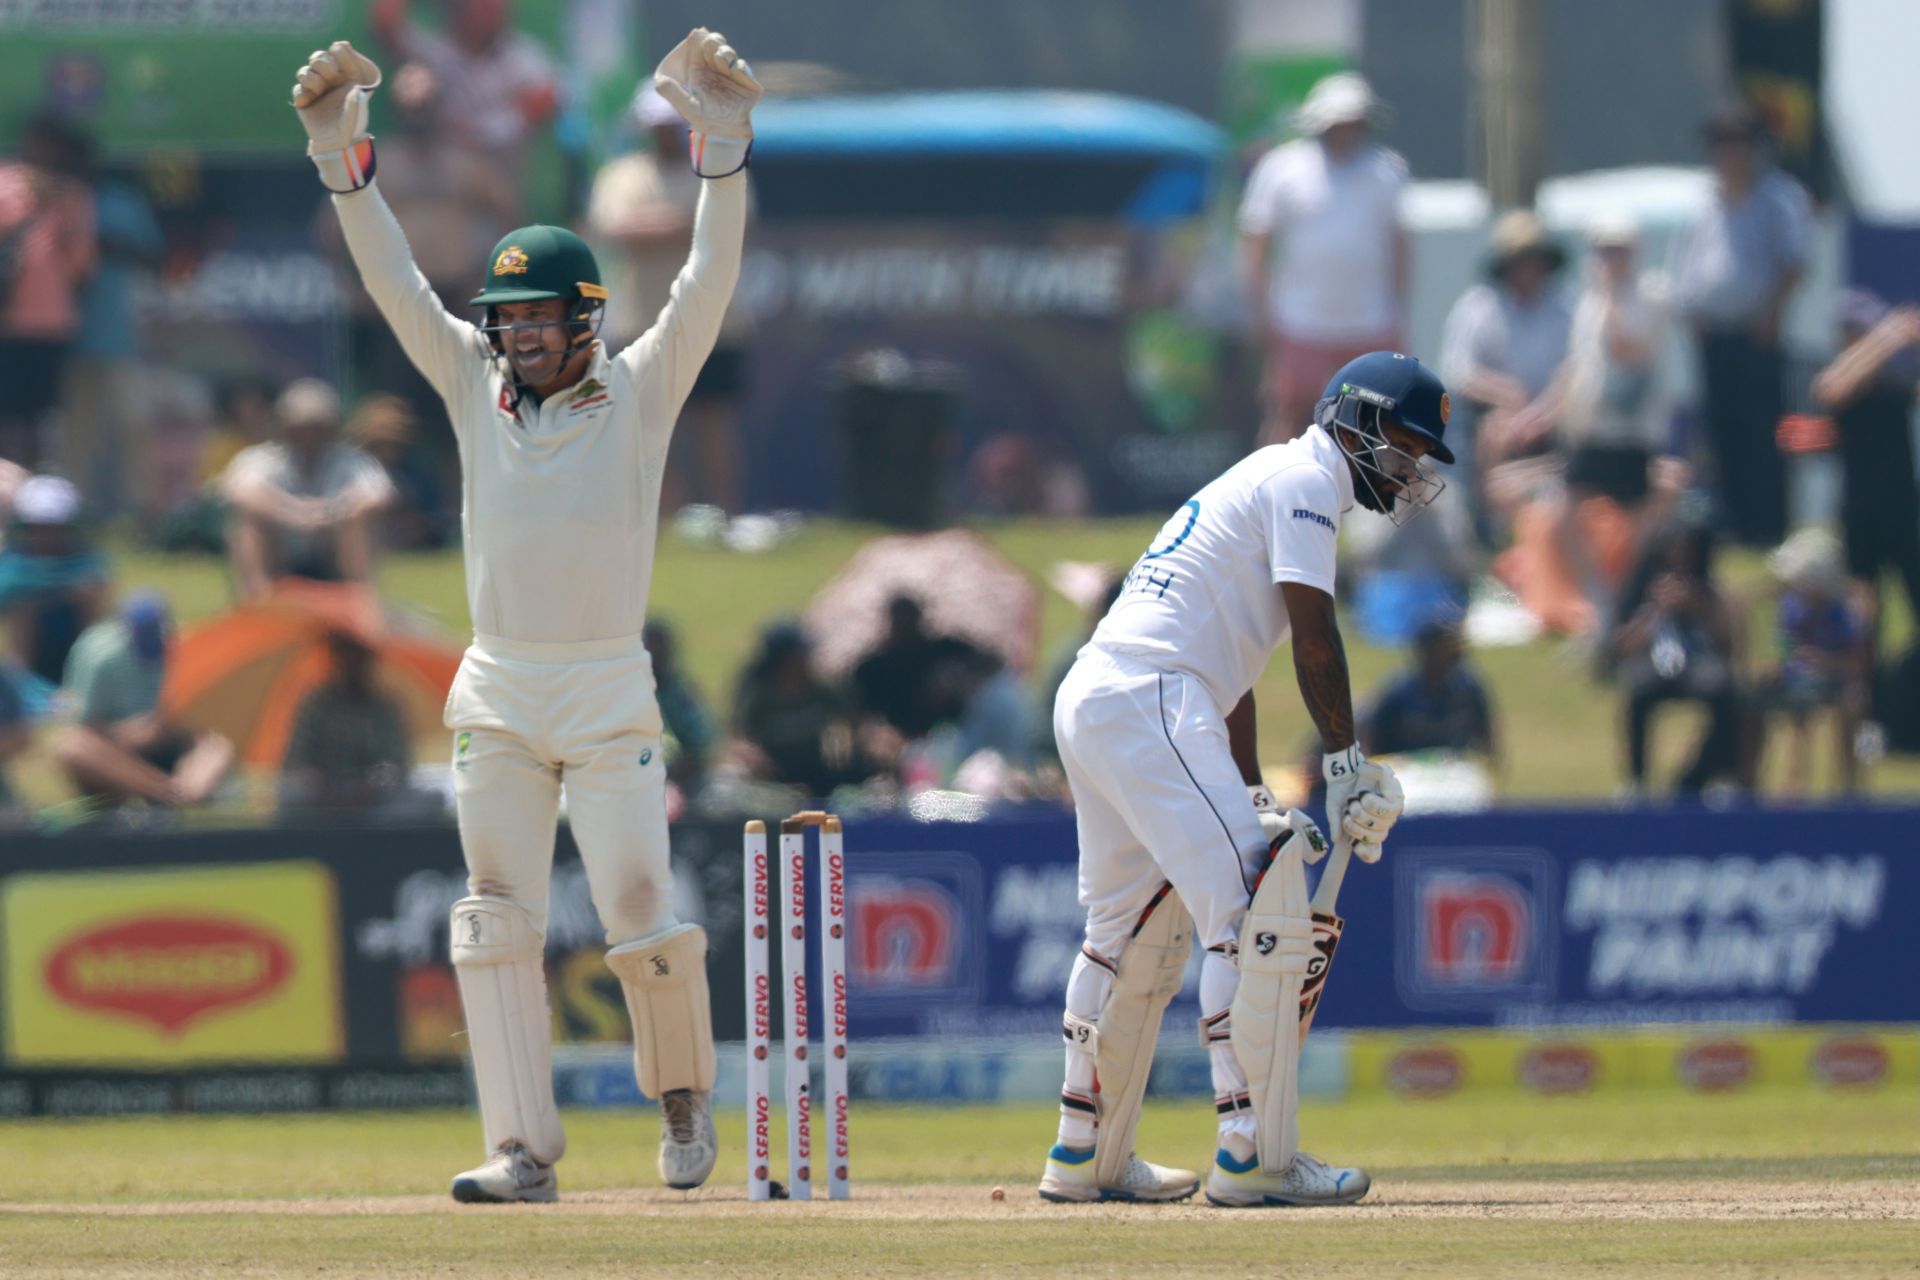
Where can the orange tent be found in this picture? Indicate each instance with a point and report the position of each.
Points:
(244, 673)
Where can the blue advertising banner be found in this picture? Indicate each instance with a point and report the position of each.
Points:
(1520, 919)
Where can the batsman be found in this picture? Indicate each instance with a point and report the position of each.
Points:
(1178, 836)
(562, 444)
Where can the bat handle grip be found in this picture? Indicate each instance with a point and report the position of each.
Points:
(1332, 875)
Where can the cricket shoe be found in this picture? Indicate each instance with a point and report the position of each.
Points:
(509, 1174)
(1240, 1184)
(1070, 1179)
(688, 1146)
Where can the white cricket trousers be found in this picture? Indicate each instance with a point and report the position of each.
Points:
(531, 718)
(1157, 799)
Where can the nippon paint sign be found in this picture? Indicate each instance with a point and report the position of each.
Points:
(1735, 926)
(1565, 919)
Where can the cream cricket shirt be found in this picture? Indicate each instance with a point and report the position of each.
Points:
(1204, 598)
(560, 502)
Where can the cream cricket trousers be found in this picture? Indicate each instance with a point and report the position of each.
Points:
(529, 719)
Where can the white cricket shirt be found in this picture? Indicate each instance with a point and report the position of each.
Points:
(1205, 599)
(1336, 227)
(560, 502)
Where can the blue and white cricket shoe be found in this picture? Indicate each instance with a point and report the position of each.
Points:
(1069, 1179)
(1239, 1184)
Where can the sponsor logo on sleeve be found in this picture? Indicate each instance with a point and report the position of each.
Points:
(1303, 513)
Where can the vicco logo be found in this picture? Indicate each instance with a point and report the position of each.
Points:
(1850, 1060)
(1425, 1072)
(1559, 1068)
(168, 970)
(1716, 1064)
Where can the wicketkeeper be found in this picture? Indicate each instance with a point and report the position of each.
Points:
(562, 443)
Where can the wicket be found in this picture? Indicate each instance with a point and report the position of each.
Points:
(795, 1030)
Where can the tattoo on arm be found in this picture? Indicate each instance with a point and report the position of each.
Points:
(1320, 664)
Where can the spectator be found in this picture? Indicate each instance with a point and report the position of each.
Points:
(1823, 654)
(1502, 343)
(689, 725)
(304, 505)
(790, 726)
(1438, 705)
(914, 680)
(641, 215)
(16, 735)
(350, 753)
(124, 748)
(494, 87)
(103, 451)
(417, 518)
(1739, 266)
(1869, 389)
(1327, 260)
(1574, 547)
(246, 419)
(47, 251)
(1678, 642)
(52, 582)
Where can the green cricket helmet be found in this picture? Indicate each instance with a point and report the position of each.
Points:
(540, 262)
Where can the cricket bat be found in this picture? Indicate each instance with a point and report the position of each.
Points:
(1327, 928)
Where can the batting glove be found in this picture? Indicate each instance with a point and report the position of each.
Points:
(712, 86)
(1364, 800)
(331, 94)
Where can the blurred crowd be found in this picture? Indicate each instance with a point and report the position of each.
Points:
(1588, 496)
(1584, 488)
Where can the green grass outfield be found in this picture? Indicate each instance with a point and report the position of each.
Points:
(1771, 1182)
(1561, 730)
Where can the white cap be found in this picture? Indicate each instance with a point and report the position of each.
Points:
(651, 109)
(46, 500)
(306, 402)
(1342, 98)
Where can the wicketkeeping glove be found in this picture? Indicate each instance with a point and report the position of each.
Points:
(1364, 800)
(331, 94)
(713, 88)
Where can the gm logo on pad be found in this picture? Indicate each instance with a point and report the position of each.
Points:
(1483, 926)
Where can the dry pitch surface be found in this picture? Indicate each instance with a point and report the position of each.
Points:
(1772, 1183)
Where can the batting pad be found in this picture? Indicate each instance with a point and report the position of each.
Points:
(1146, 978)
(1276, 944)
(665, 977)
(503, 988)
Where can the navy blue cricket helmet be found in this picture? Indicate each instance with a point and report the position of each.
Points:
(1397, 385)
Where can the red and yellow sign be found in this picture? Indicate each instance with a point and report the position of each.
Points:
(206, 964)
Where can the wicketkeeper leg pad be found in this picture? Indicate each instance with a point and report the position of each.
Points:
(497, 953)
(1145, 979)
(1276, 947)
(665, 978)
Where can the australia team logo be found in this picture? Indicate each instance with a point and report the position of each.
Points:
(511, 262)
(1482, 928)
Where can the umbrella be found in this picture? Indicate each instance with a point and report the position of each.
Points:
(964, 585)
(243, 674)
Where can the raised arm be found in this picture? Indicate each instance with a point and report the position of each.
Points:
(713, 88)
(331, 96)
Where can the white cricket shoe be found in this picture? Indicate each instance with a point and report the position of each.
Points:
(1069, 1179)
(688, 1145)
(509, 1174)
(1239, 1184)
